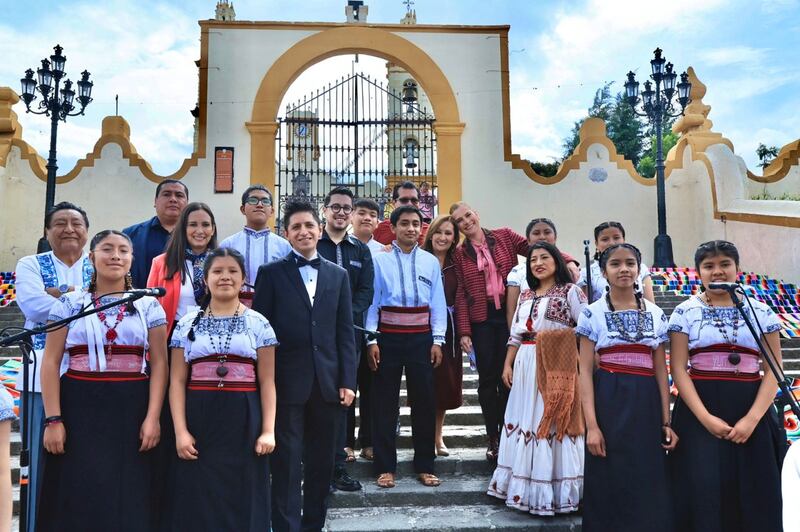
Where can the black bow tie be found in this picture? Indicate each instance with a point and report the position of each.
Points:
(302, 261)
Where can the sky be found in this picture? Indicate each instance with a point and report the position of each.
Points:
(561, 52)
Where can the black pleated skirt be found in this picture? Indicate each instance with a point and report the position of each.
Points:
(628, 489)
(227, 488)
(102, 481)
(720, 486)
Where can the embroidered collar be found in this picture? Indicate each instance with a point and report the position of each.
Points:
(257, 234)
(399, 249)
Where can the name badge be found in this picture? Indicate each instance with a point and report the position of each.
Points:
(425, 280)
(355, 263)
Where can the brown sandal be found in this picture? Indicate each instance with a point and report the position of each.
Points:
(386, 480)
(367, 454)
(429, 479)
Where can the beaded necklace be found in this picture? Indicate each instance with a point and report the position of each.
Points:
(719, 323)
(620, 325)
(111, 330)
(223, 353)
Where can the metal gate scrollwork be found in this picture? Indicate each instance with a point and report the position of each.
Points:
(358, 133)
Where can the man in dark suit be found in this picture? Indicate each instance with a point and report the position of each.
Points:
(308, 302)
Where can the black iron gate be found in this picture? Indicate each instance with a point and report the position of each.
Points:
(357, 133)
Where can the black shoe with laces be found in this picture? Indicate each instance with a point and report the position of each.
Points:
(342, 481)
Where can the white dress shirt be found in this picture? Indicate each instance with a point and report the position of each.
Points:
(35, 303)
(409, 280)
(257, 247)
(309, 275)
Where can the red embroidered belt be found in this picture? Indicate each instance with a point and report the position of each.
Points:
(528, 339)
(123, 363)
(246, 299)
(221, 372)
(634, 359)
(724, 362)
(405, 320)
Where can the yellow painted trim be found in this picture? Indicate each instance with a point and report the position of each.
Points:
(788, 157)
(322, 26)
(116, 130)
(338, 39)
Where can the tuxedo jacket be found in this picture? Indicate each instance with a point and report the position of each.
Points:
(315, 343)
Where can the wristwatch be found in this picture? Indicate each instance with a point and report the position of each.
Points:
(63, 289)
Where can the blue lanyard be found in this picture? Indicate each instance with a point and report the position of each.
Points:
(247, 251)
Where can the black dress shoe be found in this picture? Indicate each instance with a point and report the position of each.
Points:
(344, 482)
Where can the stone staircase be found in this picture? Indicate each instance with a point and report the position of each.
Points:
(460, 503)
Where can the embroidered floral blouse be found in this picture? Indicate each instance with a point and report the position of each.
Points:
(250, 331)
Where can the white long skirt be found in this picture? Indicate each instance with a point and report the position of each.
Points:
(543, 477)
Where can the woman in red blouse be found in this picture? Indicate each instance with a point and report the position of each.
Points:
(483, 262)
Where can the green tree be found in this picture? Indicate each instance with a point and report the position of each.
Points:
(546, 169)
(766, 155)
(623, 127)
(647, 164)
(601, 108)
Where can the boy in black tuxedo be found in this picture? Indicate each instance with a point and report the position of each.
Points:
(308, 303)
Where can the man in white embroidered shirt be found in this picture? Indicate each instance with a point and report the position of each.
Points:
(410, 312)
(257, 244)
(41, 280)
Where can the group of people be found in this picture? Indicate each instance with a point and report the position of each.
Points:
(215, 406)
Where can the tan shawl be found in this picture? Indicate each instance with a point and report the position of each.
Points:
(557, 379)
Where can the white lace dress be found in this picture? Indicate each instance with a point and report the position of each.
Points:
(543, 477)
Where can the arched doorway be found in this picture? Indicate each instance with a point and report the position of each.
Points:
(347, 40)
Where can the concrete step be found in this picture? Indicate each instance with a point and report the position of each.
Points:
(464, 415)
(470, 436)
(455, 490)
(470, 397)
(462, 461)
(488, 515)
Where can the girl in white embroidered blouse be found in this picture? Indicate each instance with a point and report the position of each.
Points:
(625, 403)
(222, 397)
(103, 382)
(725, 472)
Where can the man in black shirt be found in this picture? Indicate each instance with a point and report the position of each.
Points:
(354, 256)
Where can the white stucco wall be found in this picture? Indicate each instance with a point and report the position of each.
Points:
(116, 194)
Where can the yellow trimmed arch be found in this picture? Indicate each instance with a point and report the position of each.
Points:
(350, 40)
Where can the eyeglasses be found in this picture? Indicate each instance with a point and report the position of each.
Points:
(252, 200)
(415, 201)
(335, 207)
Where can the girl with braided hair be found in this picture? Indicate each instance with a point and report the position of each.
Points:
(103, 381)
(605, 235)
(625, 403)
(222, 397)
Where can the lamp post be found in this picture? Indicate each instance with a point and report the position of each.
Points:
(58, 105)
(657, 105)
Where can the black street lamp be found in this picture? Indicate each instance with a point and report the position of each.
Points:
(657, 105)
(58, 105)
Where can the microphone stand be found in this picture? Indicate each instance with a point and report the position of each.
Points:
(766, 354)
(589, 289)
(24, 340)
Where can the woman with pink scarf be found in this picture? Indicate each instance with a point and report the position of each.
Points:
(483, 262)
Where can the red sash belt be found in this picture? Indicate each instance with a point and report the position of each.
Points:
(206, 373)
(635, 359)
(405, 320)
(123, 363)
(716, 362)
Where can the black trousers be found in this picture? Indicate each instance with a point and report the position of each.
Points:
(489, 340)
(347, 428)
(305, 439)
(412, 352)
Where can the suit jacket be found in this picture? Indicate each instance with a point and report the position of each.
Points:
(357, 260)
(315, 342)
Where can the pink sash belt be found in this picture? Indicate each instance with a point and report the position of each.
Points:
(635, 359)
(123, 363)
(223, 373)
(405, 320)
(724, 361)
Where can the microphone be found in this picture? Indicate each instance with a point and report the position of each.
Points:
(156, 291)
(724, 286)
